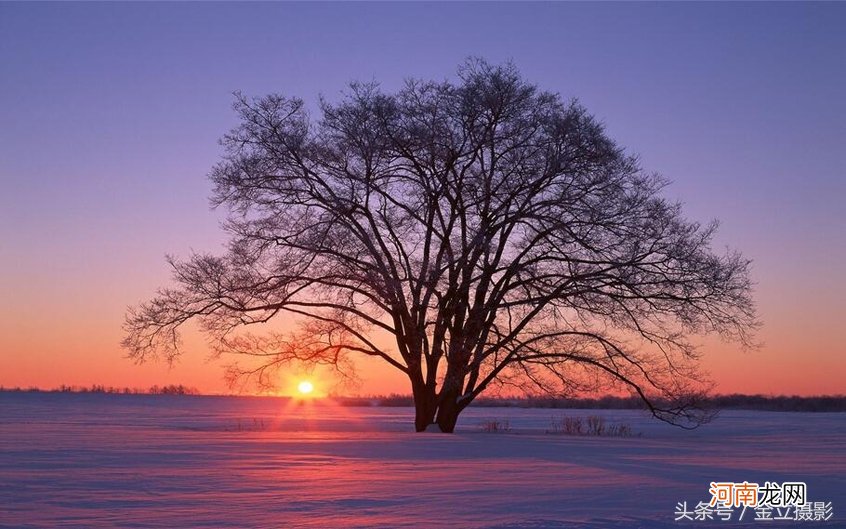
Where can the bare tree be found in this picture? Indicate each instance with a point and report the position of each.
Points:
(491, 230)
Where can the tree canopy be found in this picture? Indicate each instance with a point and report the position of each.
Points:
(491, 229)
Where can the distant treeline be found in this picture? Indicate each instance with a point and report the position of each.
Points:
(823, 403)
(826, 403)
(170, 389)
(820, 403)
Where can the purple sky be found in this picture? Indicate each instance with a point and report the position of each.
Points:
(111, 113)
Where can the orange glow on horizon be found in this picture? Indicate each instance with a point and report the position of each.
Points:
(83, 351)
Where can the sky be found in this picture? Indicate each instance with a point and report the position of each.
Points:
(110, 115)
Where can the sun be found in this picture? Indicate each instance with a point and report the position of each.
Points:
(305, 387)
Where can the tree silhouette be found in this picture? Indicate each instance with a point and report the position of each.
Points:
(491, 230)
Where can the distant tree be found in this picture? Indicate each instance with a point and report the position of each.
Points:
(491, 230)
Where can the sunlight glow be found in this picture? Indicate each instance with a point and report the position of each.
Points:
(305, 387)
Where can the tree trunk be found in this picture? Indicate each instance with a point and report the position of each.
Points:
(448, 410)
(424, 407)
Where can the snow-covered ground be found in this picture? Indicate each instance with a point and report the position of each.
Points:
(92, 461)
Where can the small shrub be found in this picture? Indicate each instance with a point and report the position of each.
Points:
(567, 426)
(496, 426)
(620, 430)
(256, 425)
(594, 425)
